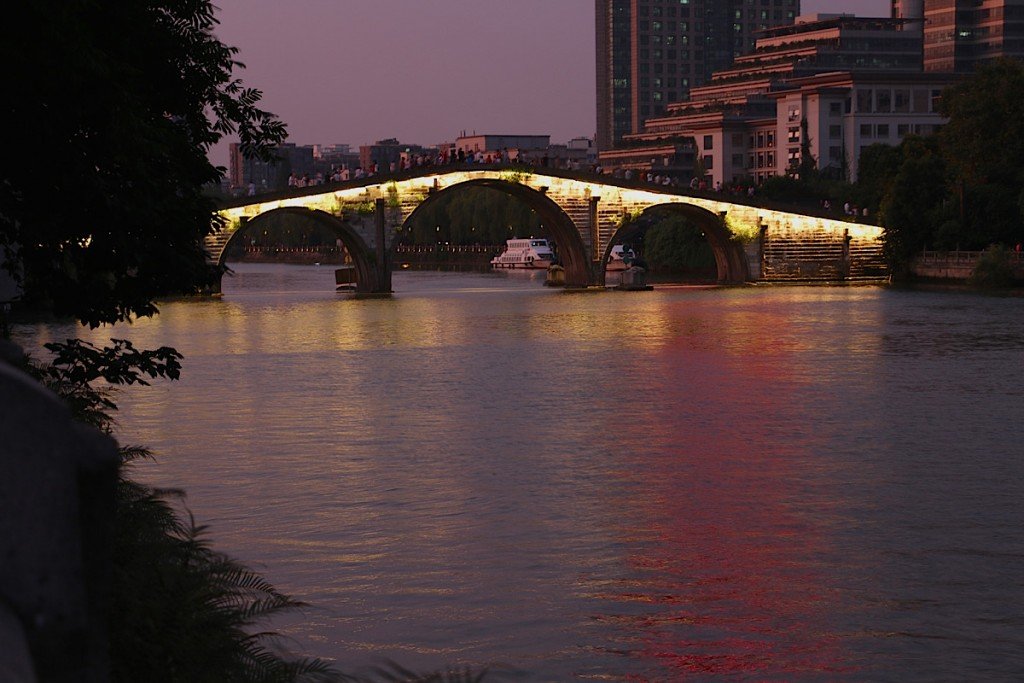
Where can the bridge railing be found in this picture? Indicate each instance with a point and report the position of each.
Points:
(586, 175)
(965, 258)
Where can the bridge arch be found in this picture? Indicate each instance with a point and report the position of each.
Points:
(365, 263)
(558, 225)
(730, 260)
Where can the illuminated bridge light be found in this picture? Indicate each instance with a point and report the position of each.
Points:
(357, 203)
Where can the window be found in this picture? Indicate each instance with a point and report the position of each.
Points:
(920, 101)
(882, 131)
(709, 162)
(883, 101)
(865, 97)
(865, 130)
(901, 101)
(835, 108)
(835, 132)
(737, 139)
(709, 142)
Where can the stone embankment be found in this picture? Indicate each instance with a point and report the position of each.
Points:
(957, 265)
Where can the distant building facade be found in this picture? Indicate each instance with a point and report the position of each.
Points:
(826, 87)
(652, 52)
(960, 34)
(492, 143)
(269, 175)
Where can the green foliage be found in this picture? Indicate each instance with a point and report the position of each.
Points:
(994, 269)
(808, 167)
(984, 138)
(473, 215)
(809, 191)
(916, 201)
(515, 175)
(393, 200)
(285, 230)
(183, 612)
(77, 364)
(875, 170)
(112, 109)
(983, 146)
(675, 245)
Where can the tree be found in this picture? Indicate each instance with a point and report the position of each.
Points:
(473, 215)
(917, 207)
(807, 169)
(875, 170)
(984, 138)
(674, 244)
(983, 144)
(110, 109)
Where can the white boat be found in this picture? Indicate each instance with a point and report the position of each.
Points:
(525, 253)
(620, 258)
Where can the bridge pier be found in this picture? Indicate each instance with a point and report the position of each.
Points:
(383, 285)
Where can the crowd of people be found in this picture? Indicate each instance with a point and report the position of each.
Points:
(505, 156)
(445, 157)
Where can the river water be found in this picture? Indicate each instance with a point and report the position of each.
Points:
(762, 483)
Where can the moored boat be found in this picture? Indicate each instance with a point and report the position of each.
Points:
(525, 253)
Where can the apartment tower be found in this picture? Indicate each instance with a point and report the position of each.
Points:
(652, 52)
(960, 34)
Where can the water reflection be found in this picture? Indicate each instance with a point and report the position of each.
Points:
(750, 483)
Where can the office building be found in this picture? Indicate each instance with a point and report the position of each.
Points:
(828, 86)
(652, 52)
(960, 34)
(269, 175)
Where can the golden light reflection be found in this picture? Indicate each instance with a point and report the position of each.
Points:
(744, 221)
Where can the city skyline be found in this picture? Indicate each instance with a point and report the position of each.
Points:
(299, 58)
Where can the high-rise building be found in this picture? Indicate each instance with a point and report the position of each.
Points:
(960, 34)
(820, 90)
(907, 9)
(652, 52)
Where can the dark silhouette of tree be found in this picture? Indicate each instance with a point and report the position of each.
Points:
(110, 109)
(983, 144)
(473, 215)
(916, 202)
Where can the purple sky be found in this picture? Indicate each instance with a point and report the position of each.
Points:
(356, 71)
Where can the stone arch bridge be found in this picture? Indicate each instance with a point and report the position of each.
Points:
(584, 214)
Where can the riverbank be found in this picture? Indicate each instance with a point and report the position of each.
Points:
(958, 266)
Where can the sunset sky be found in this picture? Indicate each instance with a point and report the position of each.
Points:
(355, 71)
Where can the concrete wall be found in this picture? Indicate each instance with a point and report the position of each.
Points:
(57, 488)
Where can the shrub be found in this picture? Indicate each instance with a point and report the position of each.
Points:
(993, 269)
